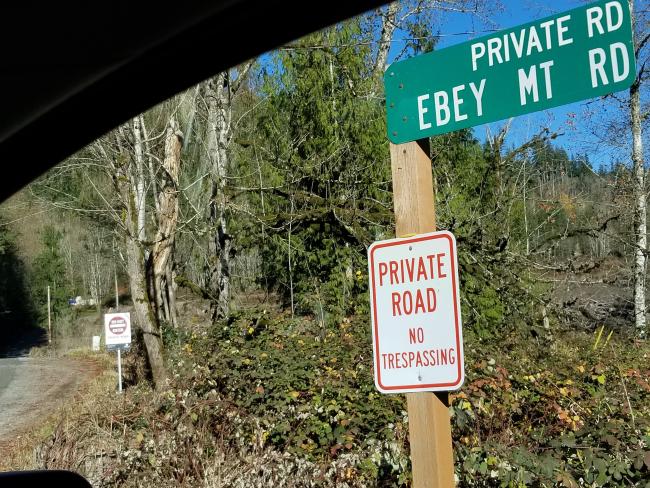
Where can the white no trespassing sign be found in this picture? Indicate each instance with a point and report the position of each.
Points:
(417, 335)
(117, 328)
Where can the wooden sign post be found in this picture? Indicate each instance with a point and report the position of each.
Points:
(429, 423)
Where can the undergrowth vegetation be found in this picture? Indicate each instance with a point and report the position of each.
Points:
(270, 400)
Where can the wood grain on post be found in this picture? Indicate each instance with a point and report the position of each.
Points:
(429, 423)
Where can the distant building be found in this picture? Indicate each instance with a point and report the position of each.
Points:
(82, 302)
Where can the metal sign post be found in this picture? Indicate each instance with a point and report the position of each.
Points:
(117, 330)
(119, 371)
(49, 317)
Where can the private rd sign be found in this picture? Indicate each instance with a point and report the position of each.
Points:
(579, 54)
(415, 308)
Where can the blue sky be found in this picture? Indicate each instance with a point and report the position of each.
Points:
(576, 122)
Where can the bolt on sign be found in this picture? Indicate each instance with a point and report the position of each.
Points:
(117, 330)
(582, 53)
(417, 332)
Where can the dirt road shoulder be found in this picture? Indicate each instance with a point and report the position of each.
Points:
(32, 392)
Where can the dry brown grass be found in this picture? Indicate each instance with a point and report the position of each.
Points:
(20, 452)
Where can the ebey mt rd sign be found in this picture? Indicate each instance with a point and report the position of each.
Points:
(415, 308)
(582, 53)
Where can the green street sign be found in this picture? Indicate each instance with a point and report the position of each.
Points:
(583, 53)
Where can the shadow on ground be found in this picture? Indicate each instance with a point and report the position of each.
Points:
(19, 344)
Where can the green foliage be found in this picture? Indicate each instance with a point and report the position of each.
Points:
(48, 269)
(547, 413)
(324, 134)
(469, 203)
(533, 418)
(16, 308)
(310, 388)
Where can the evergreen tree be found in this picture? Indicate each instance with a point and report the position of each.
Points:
(48, 269)
(327, 140)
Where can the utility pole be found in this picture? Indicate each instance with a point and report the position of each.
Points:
(117, 292)
(49, 317)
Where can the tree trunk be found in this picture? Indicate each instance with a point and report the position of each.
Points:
(640, 227)
(167, 223)
(143, 313)
(640, 224)
(124, 179)
(171, 295)
(388, 25)
(219, 92)
(152, 173)
(139, 185)
(220, 246)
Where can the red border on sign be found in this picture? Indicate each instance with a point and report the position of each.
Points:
(440, 235)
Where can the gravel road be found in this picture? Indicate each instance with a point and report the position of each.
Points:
(31, 388)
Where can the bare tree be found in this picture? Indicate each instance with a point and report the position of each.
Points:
(138, 181)
(161, 257)
(126, 172)
(219, 93)
(640, 219)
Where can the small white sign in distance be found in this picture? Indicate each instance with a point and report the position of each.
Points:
(417, 334)
(117, 328)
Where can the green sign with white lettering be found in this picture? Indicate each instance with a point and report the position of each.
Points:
(579, 54)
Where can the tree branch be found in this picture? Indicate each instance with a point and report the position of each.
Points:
(641, 45)
(590, 231)
(242, 75)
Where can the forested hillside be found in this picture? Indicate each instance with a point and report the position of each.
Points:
(234, 220)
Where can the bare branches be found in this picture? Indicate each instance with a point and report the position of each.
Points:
(641, 44)
(591, 231)
(242, 75)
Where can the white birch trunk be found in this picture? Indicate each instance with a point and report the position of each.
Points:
(640, 227)
(640, 213)
(219, 93)
(139, 183)
(219, 120)
(152, 173)
(389, 18)
(144, 318)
